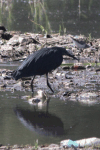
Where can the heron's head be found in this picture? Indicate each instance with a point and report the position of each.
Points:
(68, 53)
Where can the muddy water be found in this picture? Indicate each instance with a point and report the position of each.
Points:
(67, 117)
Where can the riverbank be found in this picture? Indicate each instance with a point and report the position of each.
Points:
(19, 46)
(15, 49)
(46, 147)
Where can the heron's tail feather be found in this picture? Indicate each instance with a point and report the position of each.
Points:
(16, 74)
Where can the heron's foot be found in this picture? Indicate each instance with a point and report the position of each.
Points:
(32, 94)
(48, 84)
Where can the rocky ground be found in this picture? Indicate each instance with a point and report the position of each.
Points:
(19, 46)
(65, 78)
(15, 46)
(45, 147)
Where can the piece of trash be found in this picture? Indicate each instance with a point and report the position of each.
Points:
(78, 66)
(81, 143)
(69, 143)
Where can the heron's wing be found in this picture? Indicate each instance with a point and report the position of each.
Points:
(42, 61)
(26, 62)
(47, 61)
(33, 58)
(51, 61)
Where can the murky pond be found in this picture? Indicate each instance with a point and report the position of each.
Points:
(73, 110)
(65, 117)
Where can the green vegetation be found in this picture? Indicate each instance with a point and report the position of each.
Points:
(14, 15)
(84, 64)
(39, 16)
(59, 29)
(36, 144)
(90, 37)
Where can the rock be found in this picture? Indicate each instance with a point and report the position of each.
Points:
(6, 47)
(3, 86)
(7, 77)
(17, 86)
(21, 39)
(4, 147)
(67, 93)
(21, 49)
(51, 147)
(6, 36)
(97, 70)
(31, 47)
(14, 41)
(15, 146)
(89, 98)
(28, 40)
(68, 77)
(66, 68)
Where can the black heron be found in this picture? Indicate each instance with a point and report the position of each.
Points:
(41, 62)
(3, 28)
(79, 44)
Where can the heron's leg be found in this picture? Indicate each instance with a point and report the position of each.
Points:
(32, 84)
(48, 84)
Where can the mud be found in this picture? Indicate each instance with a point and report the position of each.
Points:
(72, 77)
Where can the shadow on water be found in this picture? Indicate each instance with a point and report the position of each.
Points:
(41, 122)
(23, 123)
(76, 121)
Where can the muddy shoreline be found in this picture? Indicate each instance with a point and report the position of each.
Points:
(46, 147)
(19, 46)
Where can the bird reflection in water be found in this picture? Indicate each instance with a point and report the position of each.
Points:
(41, 122)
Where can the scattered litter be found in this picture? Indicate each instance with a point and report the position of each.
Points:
(80, 143)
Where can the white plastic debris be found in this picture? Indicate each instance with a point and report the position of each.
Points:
(69, 143)
(80, 143)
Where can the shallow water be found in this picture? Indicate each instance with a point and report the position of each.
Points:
(75, 120)
(68, 118)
